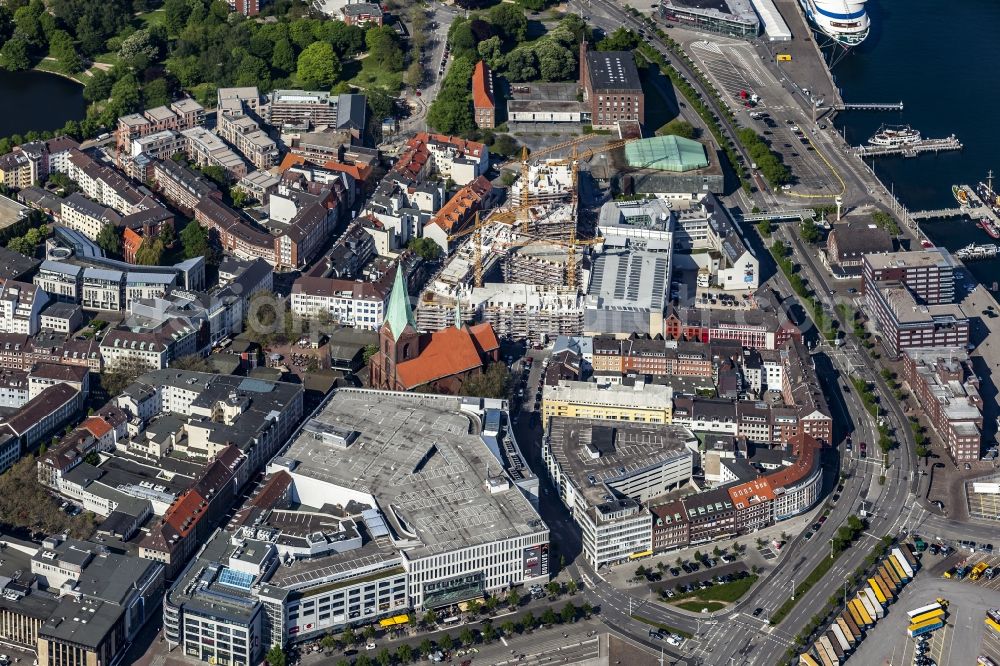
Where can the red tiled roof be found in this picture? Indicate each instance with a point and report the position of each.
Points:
(485, 337)
(758, 488)
(455, 214)
(191, 506)
(805, 448)
(451, 351)
(482, 96)
(97, 426)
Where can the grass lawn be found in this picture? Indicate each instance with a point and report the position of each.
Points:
(54, 67)
(727, 592)
(109, 58)
(699, 606)
(664, 627)
(155, 17)
(363, 75)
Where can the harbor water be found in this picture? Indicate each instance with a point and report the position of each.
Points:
(943, 62)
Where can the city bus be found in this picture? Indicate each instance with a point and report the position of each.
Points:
(932, 615)
(923, 609)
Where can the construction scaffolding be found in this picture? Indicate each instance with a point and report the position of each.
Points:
(539, 262)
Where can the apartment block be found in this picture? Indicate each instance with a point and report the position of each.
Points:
(86, 216)
(905, 323)
(946, 386)
(179, 116)
(206, 149)
(928, 274)
(349, 303)
(21, 306)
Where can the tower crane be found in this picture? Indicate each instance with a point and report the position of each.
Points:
(510, 216)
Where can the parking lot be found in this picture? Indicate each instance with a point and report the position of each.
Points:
(962, 639)
(736, 67)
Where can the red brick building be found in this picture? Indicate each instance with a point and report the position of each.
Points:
(366, 14)
(482, 96)
(611, 87)
(442, 360)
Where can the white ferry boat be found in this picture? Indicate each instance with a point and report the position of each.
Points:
(895, 135)
(844, 21)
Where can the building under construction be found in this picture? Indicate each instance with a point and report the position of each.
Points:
(531, 312)
(549, 182)
(539, 262)
(553, 221)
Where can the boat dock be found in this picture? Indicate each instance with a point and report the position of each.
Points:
(871, 106)
(976, 212)
(911, 149)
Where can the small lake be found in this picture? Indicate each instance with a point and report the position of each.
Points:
(38, 101)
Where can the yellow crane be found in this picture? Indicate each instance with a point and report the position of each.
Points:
(511, 215)
(571, 244)
(477, 248)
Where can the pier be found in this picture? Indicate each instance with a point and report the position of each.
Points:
(943, 213)
(872, 106)
(911, 149)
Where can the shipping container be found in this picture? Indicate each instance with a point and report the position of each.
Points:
(856, 628)
(915, 630)
(924, 617)
(847, 626)
(923, 609)
(900, 571)
(879, 608)
(903, 562)
(822, 654)
(860, 613)
(838, 633)
(889, 574)
(911, 559)
(887, 589)
(869, 608)
(806, 659)
(832, 648)
(877, 589)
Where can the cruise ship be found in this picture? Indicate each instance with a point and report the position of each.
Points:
(844, 21)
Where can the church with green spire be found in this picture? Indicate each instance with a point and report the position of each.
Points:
(407, 358)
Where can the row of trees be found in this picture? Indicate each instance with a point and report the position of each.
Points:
(25, 504)
(835, 603)
(468, 636)
(768, 162)
(825, 323)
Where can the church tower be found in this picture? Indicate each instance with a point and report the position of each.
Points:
(398, 338)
